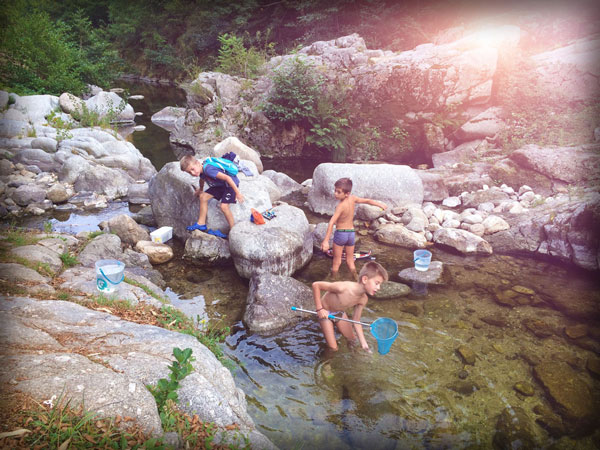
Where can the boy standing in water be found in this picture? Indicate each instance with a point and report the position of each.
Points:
(342, 295)
(221, 186)
(343, 219)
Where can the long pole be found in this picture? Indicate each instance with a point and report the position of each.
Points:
(331, 316)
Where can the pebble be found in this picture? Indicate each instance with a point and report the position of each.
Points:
(524, 388)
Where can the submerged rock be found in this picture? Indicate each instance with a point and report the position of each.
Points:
(514, 430)
(569, 394)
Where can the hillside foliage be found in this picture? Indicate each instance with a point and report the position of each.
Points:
(52, 47)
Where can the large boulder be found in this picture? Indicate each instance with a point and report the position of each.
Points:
(233, 144)
(394, 185)
(110, 104)
(486, 124)
(36, 107)
(561, 164)
(269, 302)
(127, 229)
(572, 71)
(171, 193)
(281, 246)
(286, 184)
(563, 227)
(462, 240)
(41, 363)
(206, 247)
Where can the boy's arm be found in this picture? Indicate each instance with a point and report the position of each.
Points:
(319, 286)
(332, 221)
(200, 188)
(238, 195)
(370, 201)
(359, 328)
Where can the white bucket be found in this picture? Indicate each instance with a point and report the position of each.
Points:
(109, 273)
(422, 258)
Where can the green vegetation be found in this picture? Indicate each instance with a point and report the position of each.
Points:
(235, 59)
(19, 237)
(61, 426)
(166, 389)
(210, 336)
(68, 259)
(146, 289)
(44, 54)
(295, 93)
(56, 47)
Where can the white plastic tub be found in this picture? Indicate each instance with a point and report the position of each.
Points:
(162, 235)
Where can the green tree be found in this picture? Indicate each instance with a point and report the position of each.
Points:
(42, 55)
(37, 55)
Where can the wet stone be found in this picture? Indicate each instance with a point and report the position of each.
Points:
(390, 289)
(412, 307)
(433, 275)
(514, 430)
(576, 331)
(529, 358)
(539, 328)
(524, 388)
(593, 365)
(463, 387)
(496, 321)
(512, 298)
(523, 290)
(550, 421)
(467, 355)
(588, 344)
(569, 394)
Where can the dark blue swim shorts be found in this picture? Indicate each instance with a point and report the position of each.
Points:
(344, 238)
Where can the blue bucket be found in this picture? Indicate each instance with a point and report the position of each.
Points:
(385, 331)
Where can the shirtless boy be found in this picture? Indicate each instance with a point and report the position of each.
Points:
(343, 219)
(342, 295)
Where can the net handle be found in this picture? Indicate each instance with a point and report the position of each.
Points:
(331, 316)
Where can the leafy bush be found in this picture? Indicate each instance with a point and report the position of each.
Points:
(235, 59)
(295, 93)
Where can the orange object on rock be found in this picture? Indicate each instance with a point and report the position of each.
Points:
(256, 217)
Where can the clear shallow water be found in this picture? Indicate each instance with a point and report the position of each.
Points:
(301, 396)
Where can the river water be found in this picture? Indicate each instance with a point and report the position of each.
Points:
(421, 394)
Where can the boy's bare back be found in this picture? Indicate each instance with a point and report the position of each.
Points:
(346, 213)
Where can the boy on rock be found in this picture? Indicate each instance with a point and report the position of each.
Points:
(222, 187)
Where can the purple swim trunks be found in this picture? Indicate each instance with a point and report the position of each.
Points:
(344, 238)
